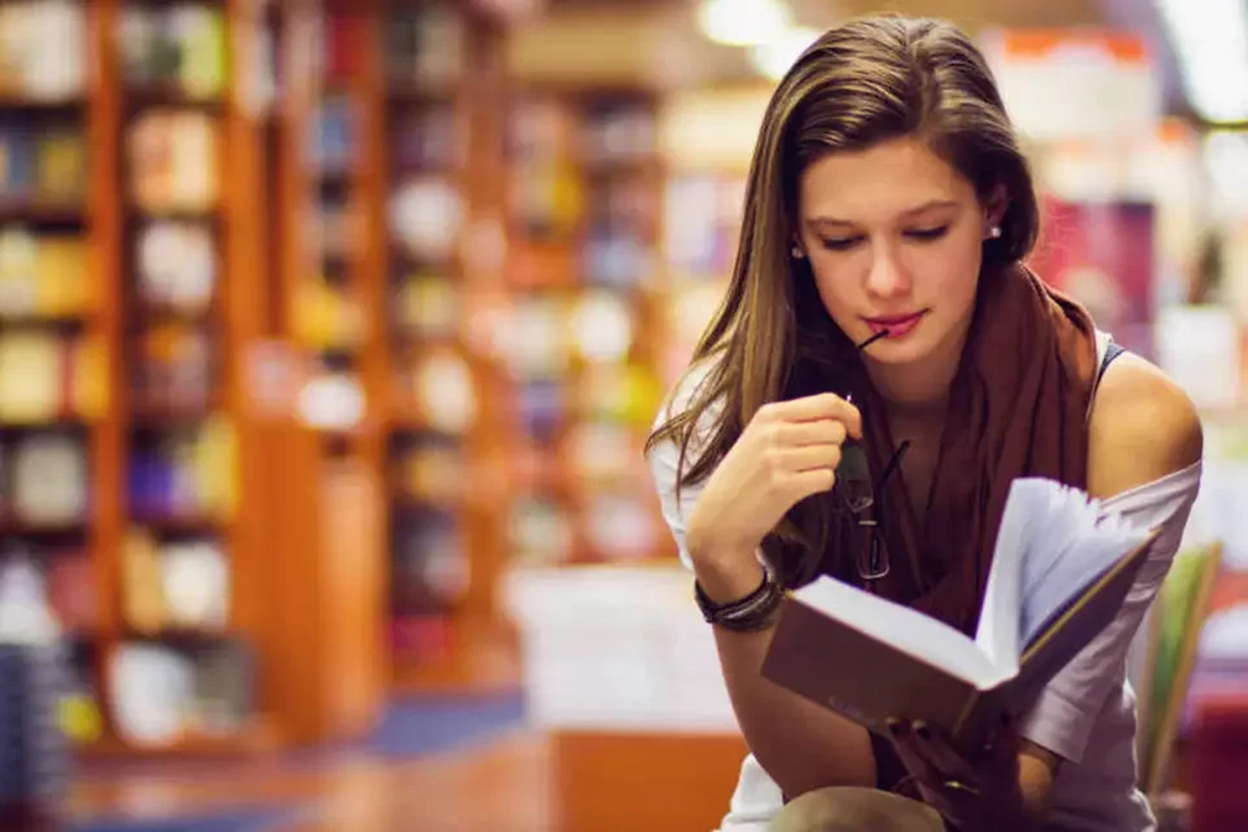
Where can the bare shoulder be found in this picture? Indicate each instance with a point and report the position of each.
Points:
(1143, 427)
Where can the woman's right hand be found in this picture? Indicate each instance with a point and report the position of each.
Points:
(787, 452)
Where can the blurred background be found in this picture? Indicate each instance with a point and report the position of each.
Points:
(331, 333)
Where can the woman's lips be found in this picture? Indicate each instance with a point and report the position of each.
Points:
(895, 325)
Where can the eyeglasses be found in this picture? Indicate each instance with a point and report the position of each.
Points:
(859, 495)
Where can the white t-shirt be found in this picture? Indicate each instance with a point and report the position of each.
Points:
(1086, 714)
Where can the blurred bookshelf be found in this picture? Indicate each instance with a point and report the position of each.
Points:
(326, 370)
(522, 391)
(439, 142)
(585, 278)
(56, 443)
(323, 425)
(181, 670)
(135, 146)
(430, 386)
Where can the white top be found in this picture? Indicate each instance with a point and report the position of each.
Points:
(1086, 714)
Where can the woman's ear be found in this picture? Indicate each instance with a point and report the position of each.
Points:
(995, 206)
(796, 250)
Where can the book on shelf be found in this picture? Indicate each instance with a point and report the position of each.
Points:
(1061, 568)
(174, 370)
(44, 275)
(426, 48)
(47, 481)
(183, 48)
(29, 70)
(177, 266)
(43, 165)
(164, 694)
(428, 138)
(45, 377)
(185, 476)
(173, 160)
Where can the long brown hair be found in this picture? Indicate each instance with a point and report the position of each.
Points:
(869, 80)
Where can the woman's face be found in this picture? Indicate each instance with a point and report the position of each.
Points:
(895, 237)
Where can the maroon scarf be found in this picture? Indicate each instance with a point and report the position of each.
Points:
(1017, 408)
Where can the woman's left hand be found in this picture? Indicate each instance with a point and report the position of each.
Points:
(975, 792)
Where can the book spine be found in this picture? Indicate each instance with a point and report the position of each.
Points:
(982, 715)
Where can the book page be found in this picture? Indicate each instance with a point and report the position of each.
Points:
(1073, 545)
(914, 633)
(1062, 529)
(998, 631)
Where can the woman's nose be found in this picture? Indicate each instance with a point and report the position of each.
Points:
(887, 277)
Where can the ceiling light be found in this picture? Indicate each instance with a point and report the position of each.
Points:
(1210, 38)
(774, 58)
(743, 22)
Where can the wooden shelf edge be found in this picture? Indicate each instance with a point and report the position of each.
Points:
(206, 525)
(10, 527)
(34, 211)
(16, 99)
(179, 634)
(259, 737)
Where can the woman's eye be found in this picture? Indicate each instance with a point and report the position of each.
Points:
(841, 244)
(927, 234)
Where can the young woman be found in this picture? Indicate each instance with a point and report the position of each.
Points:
(888, 199)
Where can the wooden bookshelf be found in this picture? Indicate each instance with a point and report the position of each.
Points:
(537, 483)
(305, 501)
(298, 516)
(113, 410)
(323, 460)
(431, 133)
(587, 184)
(53, 195)
(209, 417)
(518, 486)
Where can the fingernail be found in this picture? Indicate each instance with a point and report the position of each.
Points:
(921, 729)
(894, 725)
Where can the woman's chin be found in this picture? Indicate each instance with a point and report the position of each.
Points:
(895, 355)
(904, 349)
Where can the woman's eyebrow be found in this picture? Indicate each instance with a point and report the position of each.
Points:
(909, 212)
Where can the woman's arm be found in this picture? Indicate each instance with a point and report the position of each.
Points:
(1145, 443)
(800, 745)
(803, 746)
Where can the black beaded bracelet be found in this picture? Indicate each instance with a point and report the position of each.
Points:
(752, 613)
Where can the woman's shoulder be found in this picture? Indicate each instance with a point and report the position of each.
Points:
(1143, 427)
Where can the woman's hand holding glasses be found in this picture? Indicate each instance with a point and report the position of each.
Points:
(789, 451)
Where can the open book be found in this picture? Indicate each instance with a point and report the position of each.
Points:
(1061, 569)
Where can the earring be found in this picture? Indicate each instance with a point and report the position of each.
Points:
(995, 232)
(797, 252)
